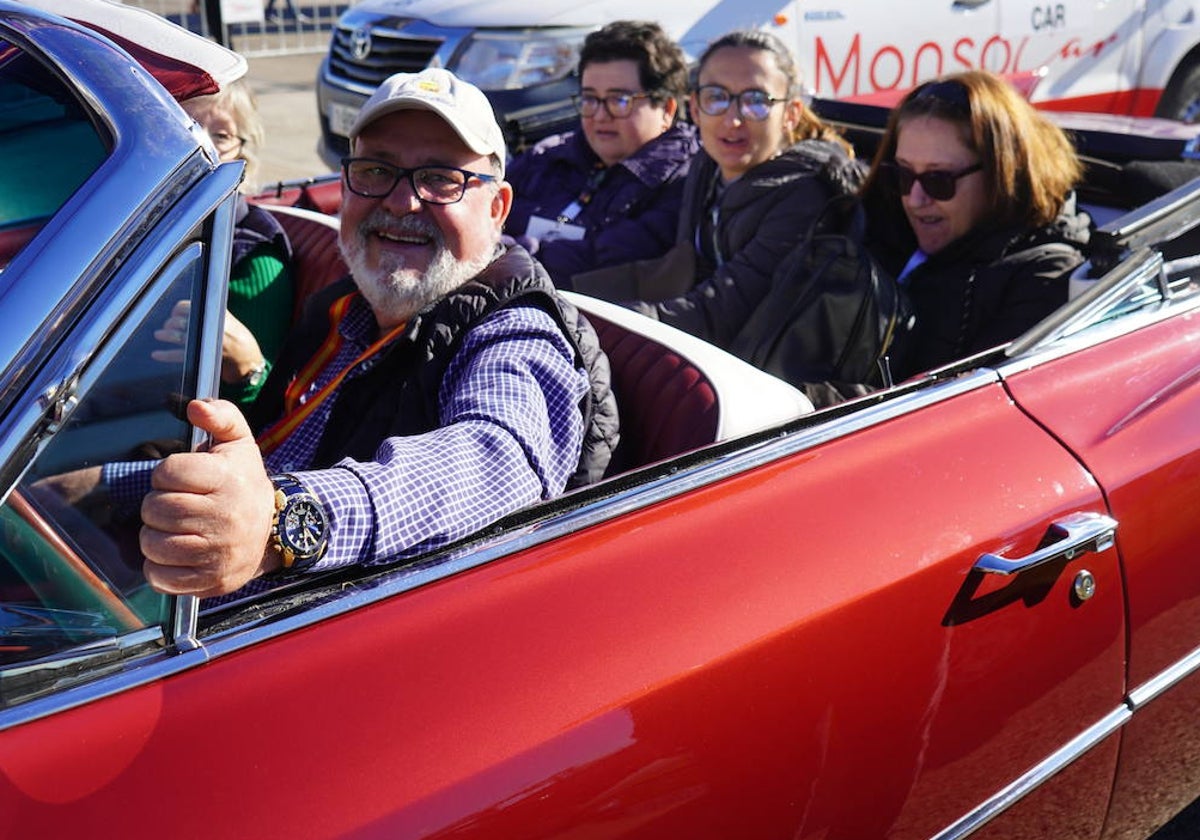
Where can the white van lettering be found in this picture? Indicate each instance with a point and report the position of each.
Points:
(895, 65)
(929, 61)
(988, 56)
(888, 67)
(960, 52)
(1048, 17)
(854, 56)
(1075, 48)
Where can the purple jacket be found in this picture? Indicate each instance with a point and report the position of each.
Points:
(633, 214)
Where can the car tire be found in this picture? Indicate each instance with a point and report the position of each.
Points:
(1181, 99)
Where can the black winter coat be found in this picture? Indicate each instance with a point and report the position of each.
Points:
(761, 217)
(987, 287)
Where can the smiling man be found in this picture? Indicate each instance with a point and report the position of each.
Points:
(441, 386)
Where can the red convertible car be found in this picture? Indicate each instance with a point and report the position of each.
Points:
(967, 605)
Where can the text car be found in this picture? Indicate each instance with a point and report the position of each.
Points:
(967, 605)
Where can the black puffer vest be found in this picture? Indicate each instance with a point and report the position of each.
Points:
(399, 394)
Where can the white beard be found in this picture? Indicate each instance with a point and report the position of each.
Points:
(396, 291)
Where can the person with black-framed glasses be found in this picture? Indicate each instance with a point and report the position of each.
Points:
(751, 195)
(609, 192)
(971, 195)
(440, 385)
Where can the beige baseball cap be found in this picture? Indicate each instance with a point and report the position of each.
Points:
(462, 105)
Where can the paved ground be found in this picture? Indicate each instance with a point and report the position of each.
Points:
(285, 87)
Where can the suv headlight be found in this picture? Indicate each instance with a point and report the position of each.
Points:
(509, 60)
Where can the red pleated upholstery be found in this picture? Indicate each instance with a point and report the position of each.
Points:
(667, 405)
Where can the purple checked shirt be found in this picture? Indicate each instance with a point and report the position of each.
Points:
(511, 434)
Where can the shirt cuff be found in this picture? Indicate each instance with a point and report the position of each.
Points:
(128, 482)
(351, 515)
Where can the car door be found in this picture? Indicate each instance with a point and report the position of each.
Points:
(121, 217)
(1142, 444)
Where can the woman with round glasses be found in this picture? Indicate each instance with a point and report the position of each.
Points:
(260, 281)
(610, 192)
(972, 207)
(755, 189)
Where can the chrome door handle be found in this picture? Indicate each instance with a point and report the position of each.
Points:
(1078, 533)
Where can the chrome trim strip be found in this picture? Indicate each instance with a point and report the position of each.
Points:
(1058, 348)
(149, 670)
(1165, 679)
(1026, 784)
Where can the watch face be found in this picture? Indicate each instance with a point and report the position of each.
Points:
(302, 526)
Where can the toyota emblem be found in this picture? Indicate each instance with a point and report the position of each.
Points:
(360, 43)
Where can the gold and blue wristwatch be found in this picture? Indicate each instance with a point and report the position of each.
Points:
(300, 528)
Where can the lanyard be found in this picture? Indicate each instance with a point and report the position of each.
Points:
(295, 412)
(573, 209)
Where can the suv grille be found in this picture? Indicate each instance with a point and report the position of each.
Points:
(391, 52)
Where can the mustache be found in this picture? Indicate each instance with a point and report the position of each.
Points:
(381, 221)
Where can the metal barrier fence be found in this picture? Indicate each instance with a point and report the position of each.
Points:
(288, 26)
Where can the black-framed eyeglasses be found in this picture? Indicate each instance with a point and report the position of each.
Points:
(938, 184)
(619, 105)
(373, 178)
(226, 142)
(752, 104)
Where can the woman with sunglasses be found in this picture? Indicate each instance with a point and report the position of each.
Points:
(260, 281)
(972, 208)
(756, 187)
(610, 192)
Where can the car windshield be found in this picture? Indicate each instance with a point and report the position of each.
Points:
(47, 142)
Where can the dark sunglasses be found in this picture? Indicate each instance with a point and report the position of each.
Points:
(938, 184)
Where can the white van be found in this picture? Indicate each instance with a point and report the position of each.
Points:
(1117, 56)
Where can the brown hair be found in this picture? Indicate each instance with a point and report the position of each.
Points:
(662, 67)
(1030, 163)
(809, 126)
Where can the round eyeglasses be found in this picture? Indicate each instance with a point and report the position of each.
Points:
(372, 178)
(938, 184)
(618, 105)
(226, 142)
(752, 104)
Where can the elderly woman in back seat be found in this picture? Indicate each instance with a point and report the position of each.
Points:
(972, 208)
(609, 193)
(261, 285)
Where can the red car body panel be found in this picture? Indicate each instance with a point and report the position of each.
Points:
(747, 642)
(785, 634)
(1140, 444)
